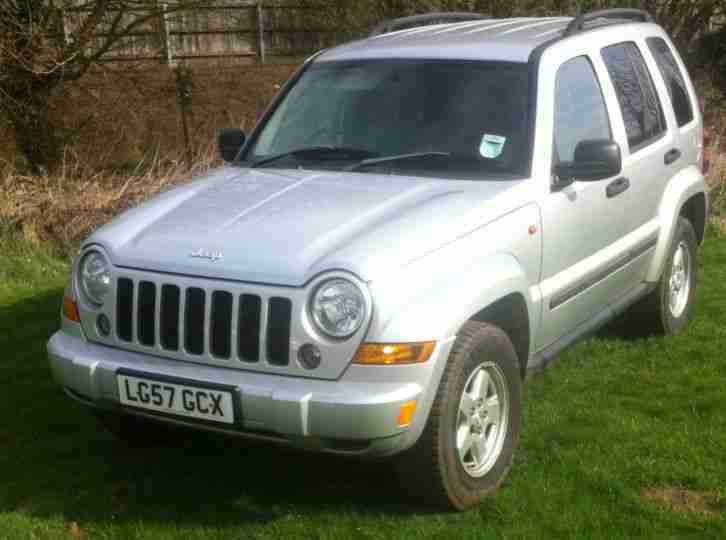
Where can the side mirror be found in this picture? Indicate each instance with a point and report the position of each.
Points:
(230, 142)
(594, 160)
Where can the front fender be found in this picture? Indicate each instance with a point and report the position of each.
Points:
(432, 297)
(682, 187)
(435, 310)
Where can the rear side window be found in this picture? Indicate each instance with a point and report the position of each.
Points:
(673, 77)
(639, 103)
(580, 112)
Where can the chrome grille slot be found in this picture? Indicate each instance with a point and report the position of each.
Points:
(194, 321)
(169, 315)
(278, 331)
(124, 309)
(248, 331)
(146, 314)
(221, 324)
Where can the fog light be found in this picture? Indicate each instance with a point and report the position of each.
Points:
(104, 325)
(70, 310)
(309, 356)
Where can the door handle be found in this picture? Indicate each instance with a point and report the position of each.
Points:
(672, 156)
(616, 187)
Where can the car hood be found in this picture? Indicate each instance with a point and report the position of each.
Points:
(285, 227)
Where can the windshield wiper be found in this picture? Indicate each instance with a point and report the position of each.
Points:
(339, 152)
(388, 159)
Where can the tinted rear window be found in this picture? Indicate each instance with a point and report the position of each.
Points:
(674, 79)
(639, 103)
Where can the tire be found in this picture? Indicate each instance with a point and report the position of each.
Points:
(137, 432)
(432, 469)
(656, 313)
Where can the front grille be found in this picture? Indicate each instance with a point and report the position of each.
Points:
(209, 323)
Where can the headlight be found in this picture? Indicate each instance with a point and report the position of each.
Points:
(338, 308)
(95, 277)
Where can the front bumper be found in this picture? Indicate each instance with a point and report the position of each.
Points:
(357, 414)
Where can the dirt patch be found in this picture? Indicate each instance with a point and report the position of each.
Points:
(685, 500)
(75, 530)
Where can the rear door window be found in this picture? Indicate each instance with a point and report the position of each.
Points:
(639, 102)
(674, 79)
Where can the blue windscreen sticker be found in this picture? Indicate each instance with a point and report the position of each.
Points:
(492, 146)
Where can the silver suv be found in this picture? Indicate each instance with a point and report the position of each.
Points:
(420, 219)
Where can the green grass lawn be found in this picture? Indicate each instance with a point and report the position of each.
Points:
(613, 418)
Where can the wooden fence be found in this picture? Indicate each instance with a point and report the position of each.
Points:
(242, 31)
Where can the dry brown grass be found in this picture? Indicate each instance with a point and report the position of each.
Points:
(126, 145)
(66, 207)
(685, 500)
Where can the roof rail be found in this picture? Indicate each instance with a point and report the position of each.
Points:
(578, 23)
(422, 20)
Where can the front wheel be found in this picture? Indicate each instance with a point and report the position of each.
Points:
(467, 445)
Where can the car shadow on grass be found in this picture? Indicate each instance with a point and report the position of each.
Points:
(57, 460)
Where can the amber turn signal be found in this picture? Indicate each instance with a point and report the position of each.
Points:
(394, 353)
(405, 413)
(70, 310)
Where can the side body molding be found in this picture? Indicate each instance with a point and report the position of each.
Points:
(682, 187)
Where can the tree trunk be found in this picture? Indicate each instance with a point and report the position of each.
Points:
(35, 134)
(27, 82)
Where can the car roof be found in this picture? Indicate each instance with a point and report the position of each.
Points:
(509, 40)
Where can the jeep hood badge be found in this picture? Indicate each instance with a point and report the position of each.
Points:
(213, 256)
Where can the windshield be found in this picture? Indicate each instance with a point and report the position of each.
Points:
(461, 119)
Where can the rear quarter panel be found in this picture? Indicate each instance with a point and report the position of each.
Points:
(686, 184)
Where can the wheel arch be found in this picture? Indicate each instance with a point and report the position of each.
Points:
(694, 210)
(685, 196)
(510, 313)
(491, 287)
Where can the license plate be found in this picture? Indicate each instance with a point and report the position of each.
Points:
(181, 400)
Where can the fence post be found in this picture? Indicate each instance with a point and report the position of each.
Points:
(168, 53)
(64, 23)
(261, 31)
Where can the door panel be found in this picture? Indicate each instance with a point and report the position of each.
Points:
(585, 257)
(646, 135)
(581, 224)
